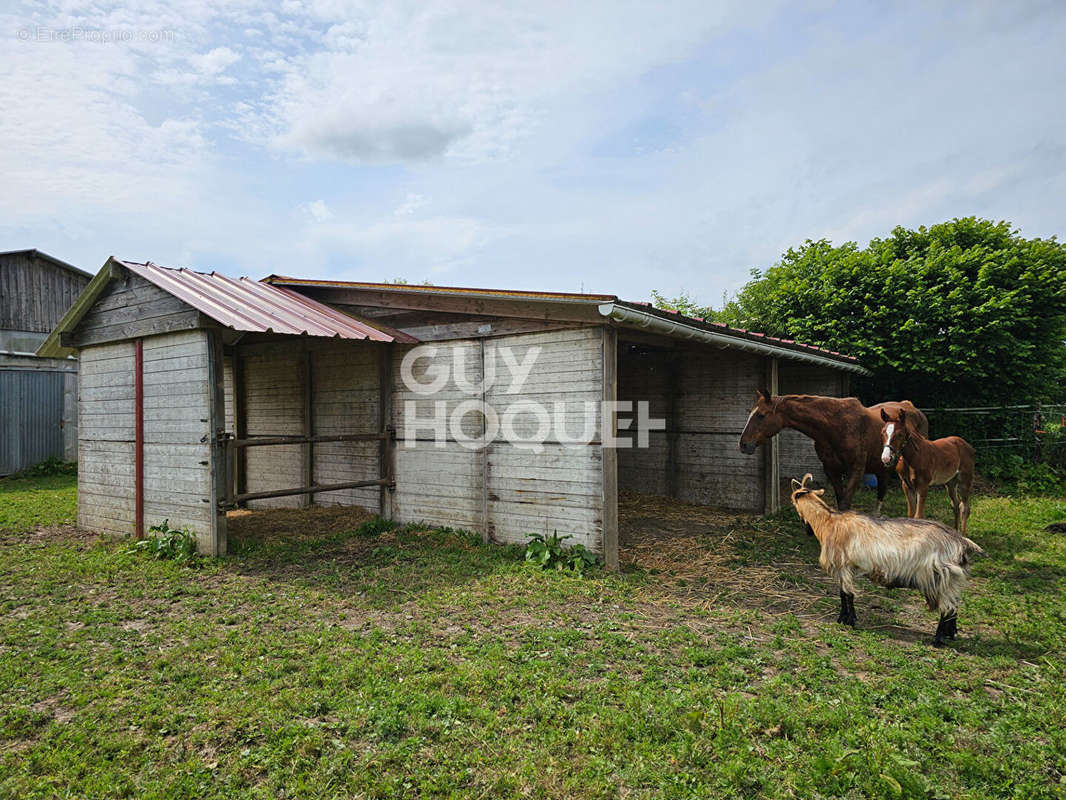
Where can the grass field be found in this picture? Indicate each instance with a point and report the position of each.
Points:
(423, 664)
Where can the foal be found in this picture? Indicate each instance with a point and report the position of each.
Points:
(921, 463)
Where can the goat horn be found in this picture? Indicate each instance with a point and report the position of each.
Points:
(806, 478)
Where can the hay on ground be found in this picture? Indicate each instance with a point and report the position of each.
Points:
(693, 552)
(293, 524)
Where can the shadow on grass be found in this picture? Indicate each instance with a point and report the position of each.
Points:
(1033, 577)
(378, 568)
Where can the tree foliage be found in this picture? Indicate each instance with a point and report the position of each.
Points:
(685, 304)
(962, 313)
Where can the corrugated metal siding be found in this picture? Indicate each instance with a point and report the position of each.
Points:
(31, 415)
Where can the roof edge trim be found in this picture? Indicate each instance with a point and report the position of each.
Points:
(459, 291)
(52, 348)
(640, 319)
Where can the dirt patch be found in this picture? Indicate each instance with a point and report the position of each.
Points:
(293, 524)
(53, 707)
(55, 534)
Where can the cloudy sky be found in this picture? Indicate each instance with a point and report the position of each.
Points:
(607, 146)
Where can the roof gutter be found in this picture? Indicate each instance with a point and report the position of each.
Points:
(632, 317)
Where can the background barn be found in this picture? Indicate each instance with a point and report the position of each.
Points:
(200, 393)
(38, 418)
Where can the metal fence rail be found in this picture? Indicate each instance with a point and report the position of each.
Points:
(1035, 431)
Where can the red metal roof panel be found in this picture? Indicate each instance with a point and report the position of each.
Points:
(247, 305)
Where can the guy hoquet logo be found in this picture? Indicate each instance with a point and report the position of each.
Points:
(462, 398)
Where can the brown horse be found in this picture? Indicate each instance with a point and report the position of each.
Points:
(846, 434)
(921, 463)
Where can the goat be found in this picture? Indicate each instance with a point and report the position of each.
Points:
(906, 553)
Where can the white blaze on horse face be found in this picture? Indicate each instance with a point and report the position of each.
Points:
(752, 414)
(886, 454)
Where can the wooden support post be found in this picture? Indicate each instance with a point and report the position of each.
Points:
(309, 426)
(609, 464)
(240, 425)
(673, 425)
(772, 451)
(221, 477)
(387, 445)
(138, 435)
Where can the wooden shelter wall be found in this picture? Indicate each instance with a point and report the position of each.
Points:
(274, 406)
(644, 376)
(177, 415)
(132, 307)
(713, 408)
(346, 399)
(559, 488)
(106, 493)
(177, 471)
(438, 479)
(505, 490)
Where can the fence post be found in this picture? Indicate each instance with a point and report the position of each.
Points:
(1038, 427)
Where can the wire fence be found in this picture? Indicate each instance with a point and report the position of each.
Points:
(1035, 433)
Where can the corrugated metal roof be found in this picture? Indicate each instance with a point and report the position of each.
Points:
(247, 305)
(518, 294)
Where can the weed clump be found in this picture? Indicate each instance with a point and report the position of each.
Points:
(549, 552)
(166, 543)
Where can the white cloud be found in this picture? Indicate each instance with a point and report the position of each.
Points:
(215, 61)
(412, 203)
(79, 138)
(471, 81)
(318, 211)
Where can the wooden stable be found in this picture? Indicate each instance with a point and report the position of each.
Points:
(200, 394)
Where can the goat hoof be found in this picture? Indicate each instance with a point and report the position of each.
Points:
(938, 642)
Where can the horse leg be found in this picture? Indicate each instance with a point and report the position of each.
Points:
(854, 478)
(963, 492)
(956, 503)
(882, 490)
(836, 480)
(908, 492)
(920, 491)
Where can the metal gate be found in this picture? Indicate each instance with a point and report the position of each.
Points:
(31, 418)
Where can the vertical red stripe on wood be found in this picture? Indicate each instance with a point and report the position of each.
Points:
(138, 393)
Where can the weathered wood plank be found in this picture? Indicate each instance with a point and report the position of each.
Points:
(151, 326)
